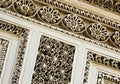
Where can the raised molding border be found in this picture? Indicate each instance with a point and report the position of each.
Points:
(4, 43)
(23, 35)
(112, 5)
(107, 76)
(100, 59)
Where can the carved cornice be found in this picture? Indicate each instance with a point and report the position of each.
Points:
(23, 35)
(112, 5)
(3, 50)
(70, 20)
(107, 76)
(106, 61)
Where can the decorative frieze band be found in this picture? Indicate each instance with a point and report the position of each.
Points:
(54, 62)
(23, 35)
(107, 61)
(3, 50)
(113, 5)
(72, 23)
(102, 76)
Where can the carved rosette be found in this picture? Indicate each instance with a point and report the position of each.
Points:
(49, 15)
(5, 3)
(98, 32)
(53, 63)
(73, 23)
(115, 38)
(25, 7)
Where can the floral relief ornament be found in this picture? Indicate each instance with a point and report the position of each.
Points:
(73, 23)
(115, 38)
(49, 15)
(25, 7)
(98, 32)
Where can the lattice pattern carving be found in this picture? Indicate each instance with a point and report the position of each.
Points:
(91, 56)
(54, 62)
(23, 34)
(3, 50)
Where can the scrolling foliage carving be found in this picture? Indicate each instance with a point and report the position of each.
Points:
(53, 63)
(3, 50)
(23, 34)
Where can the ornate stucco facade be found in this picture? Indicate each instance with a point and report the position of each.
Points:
(59, 42)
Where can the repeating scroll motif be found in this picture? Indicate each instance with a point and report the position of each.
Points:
(112, 5)
(107, 76)
(23, 34)
(91, 56)
(53, 63)
(3, 50)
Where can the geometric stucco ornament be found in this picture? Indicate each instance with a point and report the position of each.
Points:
(73, 23)
(54, 62)
(49, 15)
(98, 32)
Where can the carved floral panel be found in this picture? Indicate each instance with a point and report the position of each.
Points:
(54, 62)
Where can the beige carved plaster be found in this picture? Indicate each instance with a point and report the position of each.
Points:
(77, 22)
(102, 60)
(107, 78)
(112, 5)
(3, 50)
(54, 62)
(23, 34)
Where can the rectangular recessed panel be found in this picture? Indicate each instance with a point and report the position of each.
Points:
(54, 62)
(3, 50)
